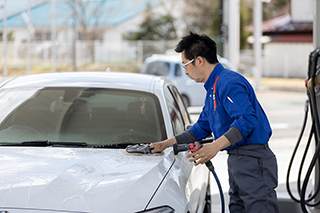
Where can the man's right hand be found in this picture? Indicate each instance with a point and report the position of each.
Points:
(162, 145)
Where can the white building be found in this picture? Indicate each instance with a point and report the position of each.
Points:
(287, 54)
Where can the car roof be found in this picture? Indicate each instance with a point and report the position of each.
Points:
(121, 80)
(165, 57)
(177, 59)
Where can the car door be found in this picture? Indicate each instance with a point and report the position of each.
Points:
(197, 180)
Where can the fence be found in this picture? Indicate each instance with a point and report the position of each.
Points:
(96, 53)
(288, 60)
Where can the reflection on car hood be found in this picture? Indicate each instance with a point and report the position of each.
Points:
(78, 179)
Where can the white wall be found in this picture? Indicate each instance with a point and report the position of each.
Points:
(20, 35)
(288, 60)
(302, 10)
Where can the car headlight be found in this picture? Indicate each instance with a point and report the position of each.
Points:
(161, 209)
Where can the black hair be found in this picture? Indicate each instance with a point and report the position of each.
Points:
(195, 45)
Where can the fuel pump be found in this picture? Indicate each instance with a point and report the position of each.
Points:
(313, 101)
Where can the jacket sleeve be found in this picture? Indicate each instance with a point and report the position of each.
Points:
(185, 137)
(201, 129)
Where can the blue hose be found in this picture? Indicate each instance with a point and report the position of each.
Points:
(211, 168)
(194, 147)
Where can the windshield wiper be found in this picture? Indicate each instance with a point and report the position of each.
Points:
(122, 145)
(44, 143)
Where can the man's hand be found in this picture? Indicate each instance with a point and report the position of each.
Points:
(208, 151)
(157, 147)
(162, 145)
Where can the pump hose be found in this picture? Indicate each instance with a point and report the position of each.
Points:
(294, 153)
(306, 180)
(315, 131)
(211, 168)
(313, 58)
(302, 163)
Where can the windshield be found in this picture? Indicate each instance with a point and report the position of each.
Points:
(91, 115)
(159, 68)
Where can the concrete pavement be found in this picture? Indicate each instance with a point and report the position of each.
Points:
(282, 84)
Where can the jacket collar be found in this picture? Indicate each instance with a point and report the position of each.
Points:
(214, 74)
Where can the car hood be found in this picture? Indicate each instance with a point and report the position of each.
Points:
(35, 179)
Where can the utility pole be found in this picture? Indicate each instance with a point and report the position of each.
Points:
(234, 32)
(316, 24)
(4, 40)
(29, 41)
(74, 46)
(223, 32)
(53, 36)
(257, 43)
(74, 39)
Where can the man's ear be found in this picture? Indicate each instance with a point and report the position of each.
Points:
(201, 61)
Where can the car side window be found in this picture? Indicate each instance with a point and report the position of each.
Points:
(175, 114)
(182, 107)
(159, 68)
(177, 70)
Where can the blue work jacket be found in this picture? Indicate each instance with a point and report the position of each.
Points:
(231, 102)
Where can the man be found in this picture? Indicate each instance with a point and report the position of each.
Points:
(239, 125)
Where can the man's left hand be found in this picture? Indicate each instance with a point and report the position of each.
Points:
(208, 151)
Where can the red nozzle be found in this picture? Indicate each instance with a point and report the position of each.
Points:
(196, 146)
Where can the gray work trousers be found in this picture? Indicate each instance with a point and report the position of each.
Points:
(253, 177)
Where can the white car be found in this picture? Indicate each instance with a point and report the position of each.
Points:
(170, 66)
(63, 138)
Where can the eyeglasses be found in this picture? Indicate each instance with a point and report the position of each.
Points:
(184, 65)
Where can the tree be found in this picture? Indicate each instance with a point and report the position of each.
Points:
(154, 27)
(202, 16)
(246, 17)
(275, 8)
(86, 16)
